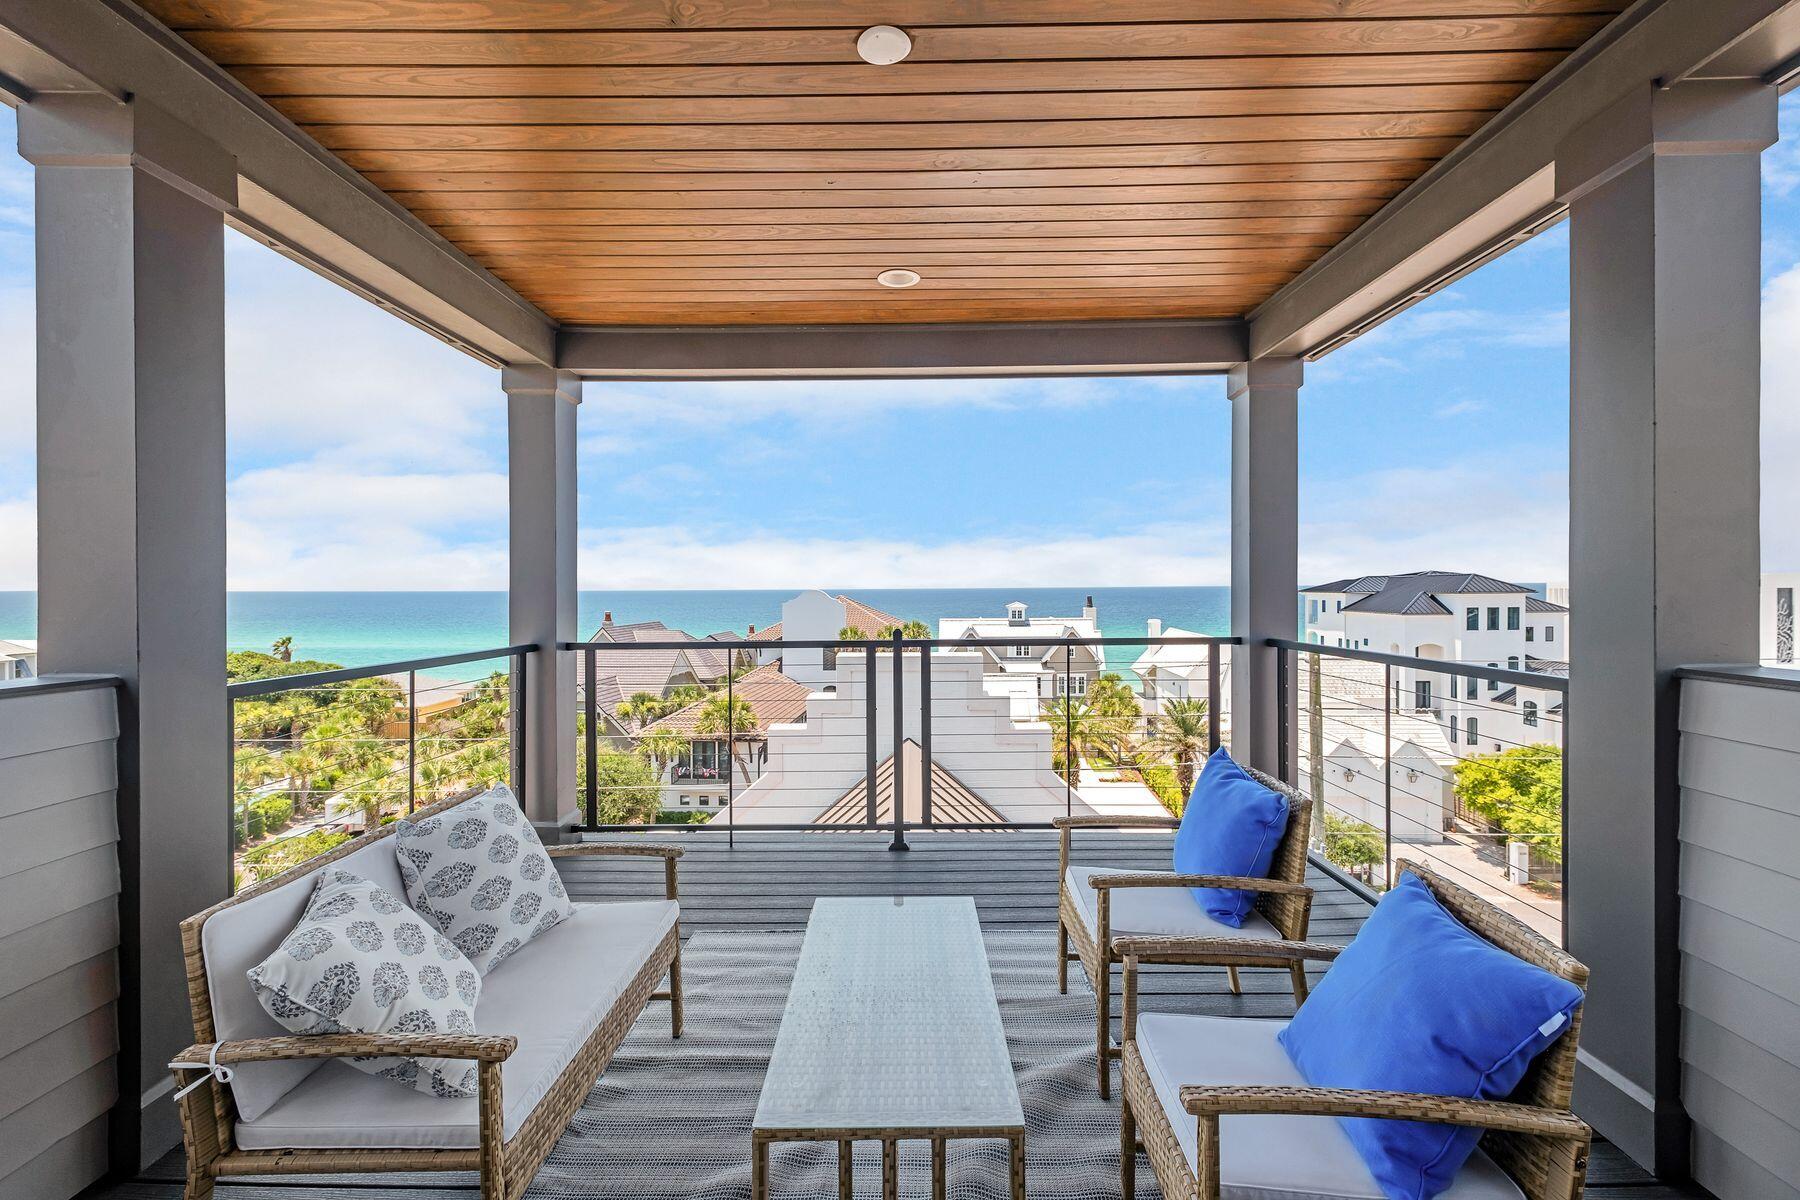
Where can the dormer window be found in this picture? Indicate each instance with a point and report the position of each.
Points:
(1015, 613)
(1021, 651)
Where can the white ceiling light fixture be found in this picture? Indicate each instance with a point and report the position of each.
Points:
(897, 277)
(883, 45)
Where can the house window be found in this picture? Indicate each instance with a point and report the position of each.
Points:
(1471, 688)
(1512, 662)
(1494, 617)
(1474, 731)
(1494, 684)
(1549, 633)
(1065, 684)
(1512, 618)
(1340, 606)
(1531, 633)
(1530, 714)
(1472, 620)
(1422, 694)
(687, 802)
(703, 803)
(1454, 722)
(1021, 651)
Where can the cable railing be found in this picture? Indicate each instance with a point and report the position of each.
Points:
(894, 733)
(1419, 752)
(320, 756)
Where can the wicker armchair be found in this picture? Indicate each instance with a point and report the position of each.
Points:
(1531, 1139)
(1090, 916)
(210, 1121)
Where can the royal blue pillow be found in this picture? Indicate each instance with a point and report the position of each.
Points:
(1231, 826)
(1419, 1003)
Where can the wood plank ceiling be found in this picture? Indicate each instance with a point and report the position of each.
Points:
(734, 161)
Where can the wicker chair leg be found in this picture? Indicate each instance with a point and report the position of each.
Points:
(1297, 972)
(1062, 957)
(1127, 1151)
(199, 1186)
(1237, 988)
(675, 993)
(1103, 1027)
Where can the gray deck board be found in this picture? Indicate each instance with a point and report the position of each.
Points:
(769, 880)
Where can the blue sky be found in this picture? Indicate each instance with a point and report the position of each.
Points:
(378, 459)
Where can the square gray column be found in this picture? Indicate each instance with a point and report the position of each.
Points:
(131, 524)
(1265, 515)
(541, 603)
(1665, 230)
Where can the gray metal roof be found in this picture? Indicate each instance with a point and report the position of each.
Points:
(1416, 593)
(1537, 604)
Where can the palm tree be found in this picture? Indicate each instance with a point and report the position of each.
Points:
(716, 720)
(1183, 733)
(851, 633)
(915, 629)
(644, 707)
(283, 649)
(662, 747)
(1082, 730)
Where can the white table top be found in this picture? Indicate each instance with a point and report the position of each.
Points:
(891, 1023)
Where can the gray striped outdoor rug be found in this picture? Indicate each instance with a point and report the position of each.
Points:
(672, 1118)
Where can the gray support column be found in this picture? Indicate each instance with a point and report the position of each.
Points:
(542, 602)
(131, 524)
(1265, 514)
(1664, 254)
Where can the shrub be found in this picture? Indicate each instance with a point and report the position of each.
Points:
(274, 812)
(1160, 779)
(272, 858)
(1352, 845)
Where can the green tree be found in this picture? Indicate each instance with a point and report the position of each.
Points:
(1520, 791)
(684, 694)
(1354, 846)
(283, 649)
(1183, 733)
(851, 633)
(915, 629)
(662, 747)
(1080, 731)
(1111, 696)
(715, 720)
(627, 789)
(641, 708)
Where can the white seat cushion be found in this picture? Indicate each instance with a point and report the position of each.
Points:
(1157, 911)
(551, 995)
(1271, 1157)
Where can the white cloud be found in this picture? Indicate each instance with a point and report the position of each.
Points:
(1460, 408)
(18, 544)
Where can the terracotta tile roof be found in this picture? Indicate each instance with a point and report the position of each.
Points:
(635, 670)
(774, 699)
(857, 615)
(951, 799)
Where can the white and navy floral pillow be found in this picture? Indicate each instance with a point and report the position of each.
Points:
(480, 875)
(361, 961)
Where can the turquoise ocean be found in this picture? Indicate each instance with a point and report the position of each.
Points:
(360, 629)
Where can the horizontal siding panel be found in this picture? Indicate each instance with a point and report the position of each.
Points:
(1726, 1171)
(1758, 895)
(29, 781)
(1765, 836)
(40, 893)
(1760, 716)
(1744, 1067)
(64, 1053)
(39, 1008)
(62, 1169)
(1750, 952)
(56, 1114)
(57, 719)
(58, 943)
(1763, 1138)
(43, 835)
(1741, 770)
(1749, 1011)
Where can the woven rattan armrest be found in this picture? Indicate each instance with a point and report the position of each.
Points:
(1215, 1101)
(490, 1048)
(1151, 949)
(1168, 879)
(1142, 821)
(621, 849)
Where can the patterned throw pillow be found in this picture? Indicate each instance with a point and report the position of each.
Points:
(480, 875)
(361, 961)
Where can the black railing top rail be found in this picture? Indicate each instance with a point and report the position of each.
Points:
(1435, 666)
(313, 679)
(906, 643)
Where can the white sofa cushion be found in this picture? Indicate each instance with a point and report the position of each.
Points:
(1271, 1157)
(1157, 911)
(479, 874)
(235, 939)
(551, 995)
(361, 961)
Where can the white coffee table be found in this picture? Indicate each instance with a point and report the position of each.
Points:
(891, 1032)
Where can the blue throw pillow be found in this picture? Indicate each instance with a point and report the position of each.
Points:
(1419, 1003)
(1231, 826)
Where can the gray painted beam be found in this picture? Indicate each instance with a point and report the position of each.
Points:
(295, 194)
(542, 597)
(883, 351)
(131, 520)
(1265, 519)
(1502, 178)
(1664, 196)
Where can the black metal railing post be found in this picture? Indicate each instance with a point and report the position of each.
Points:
(731, 755)
(1212, 698)
(412, 740)
(925, 735)
(899, 842)
(1388, 705)
(520, 734)
(870, 755)
(1284, 708)
(590, 704)
(1069, 767)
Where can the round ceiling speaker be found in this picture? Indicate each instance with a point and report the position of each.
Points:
(898, 277)
(883, 45)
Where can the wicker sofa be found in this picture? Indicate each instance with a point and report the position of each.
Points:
(550, 1018)
(1218, 1108)
(1098, 906)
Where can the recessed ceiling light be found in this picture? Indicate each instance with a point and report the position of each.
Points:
(898, 277)
(883, 45)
